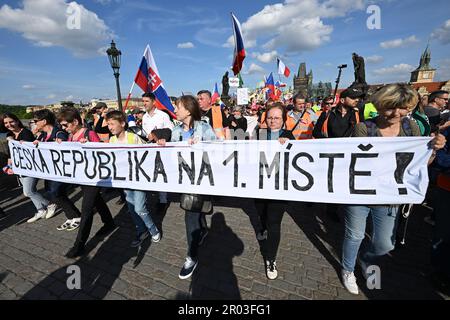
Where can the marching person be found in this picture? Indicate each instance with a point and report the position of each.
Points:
(393, 103)
(70, 119)
(136, 199)
(155, 119)
(192, 130)
(271, 211)
(17, 131)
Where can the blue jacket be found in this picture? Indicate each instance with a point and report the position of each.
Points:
(202, 132)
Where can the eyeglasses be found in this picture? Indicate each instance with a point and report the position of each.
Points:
(37, 120)
(274, 118)
(445, 99)
(328, 103)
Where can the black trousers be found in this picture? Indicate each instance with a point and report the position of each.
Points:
(195, 226)
(271, 214)
(91, 199)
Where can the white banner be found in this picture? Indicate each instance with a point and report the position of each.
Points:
(351, 170)
(242, 96)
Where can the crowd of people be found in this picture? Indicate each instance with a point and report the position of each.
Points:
(393, 110)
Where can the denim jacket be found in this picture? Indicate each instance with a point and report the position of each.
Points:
(202, 132)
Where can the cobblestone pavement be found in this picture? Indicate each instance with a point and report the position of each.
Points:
(33, 266)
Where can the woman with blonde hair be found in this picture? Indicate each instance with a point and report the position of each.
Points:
(393, 102)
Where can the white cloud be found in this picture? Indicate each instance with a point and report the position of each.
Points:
(28, 86)
(45, 24)
(295, 25)
(398, 69)
(254, 68)
(68, 98)
(51, 96)
(399, 43)
(185, 45)
(443, 33)
(374, 59)
(266, 57)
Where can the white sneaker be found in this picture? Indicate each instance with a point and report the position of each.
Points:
(39, 215)
(349, 280)
(156, 237)
(271, 270)
(51, 211)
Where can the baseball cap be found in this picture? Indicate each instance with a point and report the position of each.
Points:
(351, 93)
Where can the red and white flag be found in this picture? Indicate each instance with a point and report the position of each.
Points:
(282, 69)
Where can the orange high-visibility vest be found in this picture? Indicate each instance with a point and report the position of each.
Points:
(304, 128)
(325, 124)
(217, 122)
(104, 137)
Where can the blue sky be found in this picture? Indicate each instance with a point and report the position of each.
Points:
(43, 61)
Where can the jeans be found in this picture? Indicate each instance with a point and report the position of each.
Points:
(91, 199)
(57, 194)
(136, 202)
(271, 214)
(29, 190)
(384, 226)
(195, 227)
(163, 197)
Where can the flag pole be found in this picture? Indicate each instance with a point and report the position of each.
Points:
(128, 98)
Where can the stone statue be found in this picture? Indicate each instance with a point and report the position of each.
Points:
(225, 85)
(360, 73)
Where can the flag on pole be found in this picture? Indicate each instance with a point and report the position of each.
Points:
(282, 69)
(270, 84)
(239, 51)
(147, 78)
(215, 95)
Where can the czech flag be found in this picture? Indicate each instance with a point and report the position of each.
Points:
(282, 69)
(270, 84)
(215, 95)
(147, 78)
(239, 51)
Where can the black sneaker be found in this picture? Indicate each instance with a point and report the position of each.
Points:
(105, 230)
(141, 238)
(188, 268)
(75, 251)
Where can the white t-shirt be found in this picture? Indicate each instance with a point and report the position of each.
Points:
(158, 120)
(252, 122)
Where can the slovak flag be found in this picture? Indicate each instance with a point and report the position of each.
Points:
(282, 69)
(215, 95)
(147, 78)
(239, 51)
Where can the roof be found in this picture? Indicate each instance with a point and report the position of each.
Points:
(430, 86)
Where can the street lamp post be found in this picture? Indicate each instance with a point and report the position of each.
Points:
(342, 66)
(114, 59)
